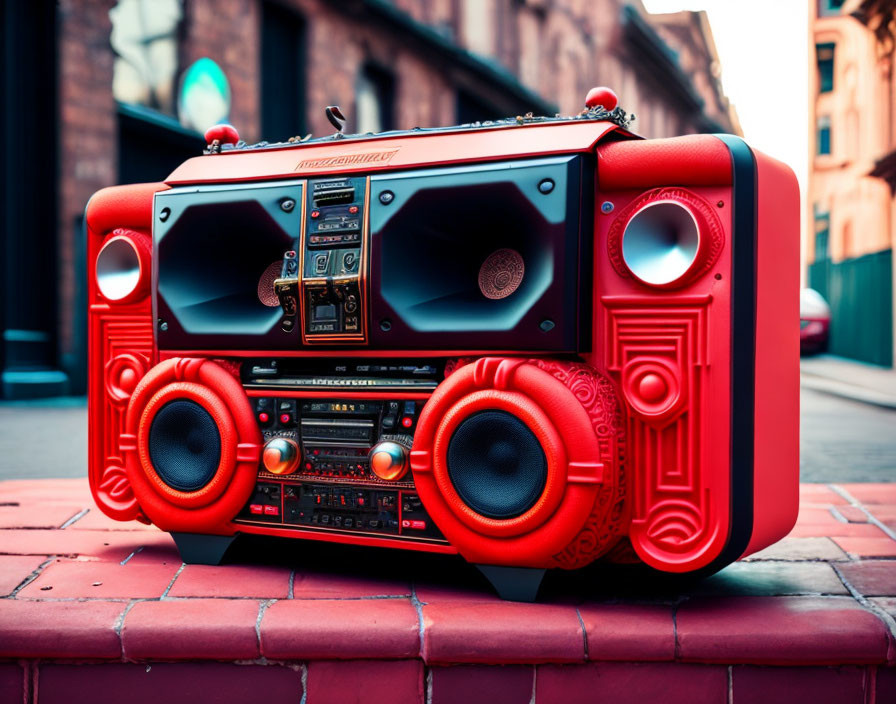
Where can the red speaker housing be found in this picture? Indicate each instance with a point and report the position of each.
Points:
(665, 409)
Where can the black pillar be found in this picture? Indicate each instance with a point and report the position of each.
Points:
(28, 201)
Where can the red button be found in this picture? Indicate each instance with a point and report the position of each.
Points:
(407, 421)
(360, 502)
(285, 418)
(315, 213)
(416, 525)
(272, 510)
(263, 417)
(256, 508)
(353, 209)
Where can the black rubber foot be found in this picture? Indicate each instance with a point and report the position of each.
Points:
(514, 583)
(196, 549)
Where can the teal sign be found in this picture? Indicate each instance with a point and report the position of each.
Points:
(204, 97)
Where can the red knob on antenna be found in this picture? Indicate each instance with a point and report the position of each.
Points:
(225, 134)
(601, 96)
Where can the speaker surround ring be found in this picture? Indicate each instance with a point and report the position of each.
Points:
(211, 404)
(535, 420)
(212, 507)
(542, 399)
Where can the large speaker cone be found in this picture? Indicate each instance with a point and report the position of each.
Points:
(496, 464)
(218, 252)
(487, 251)
(184, 445)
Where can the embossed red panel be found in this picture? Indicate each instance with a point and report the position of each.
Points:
(120, 345)
(669, 353)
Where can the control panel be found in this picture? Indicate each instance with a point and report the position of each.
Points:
(333, 258)
(338, 464)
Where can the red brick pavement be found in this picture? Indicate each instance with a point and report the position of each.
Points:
(809, 619)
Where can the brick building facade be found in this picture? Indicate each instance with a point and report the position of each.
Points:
(395, 64)
(851, 235)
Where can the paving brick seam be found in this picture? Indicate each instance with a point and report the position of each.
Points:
(584, 632)
(855, 502)
(74, 519)
(418, 607)
(291, 590)
(262, 608)
(31, 577)
(174, 579)
(882, 614)
(128, 558)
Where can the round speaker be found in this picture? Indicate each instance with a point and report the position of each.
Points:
(496, 464)
(184, 445)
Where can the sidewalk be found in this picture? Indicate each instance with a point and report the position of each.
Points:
(849, 379)
(809, 619)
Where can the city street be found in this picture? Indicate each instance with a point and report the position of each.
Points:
(841, 440)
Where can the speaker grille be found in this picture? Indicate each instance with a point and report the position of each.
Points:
(497, 464)
(184, 445)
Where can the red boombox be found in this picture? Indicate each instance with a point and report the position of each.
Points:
(533, 342)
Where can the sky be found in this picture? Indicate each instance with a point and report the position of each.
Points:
(763, 47)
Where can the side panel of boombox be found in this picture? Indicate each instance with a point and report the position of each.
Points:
(696, 283)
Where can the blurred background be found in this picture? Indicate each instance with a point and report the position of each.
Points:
(99, 92)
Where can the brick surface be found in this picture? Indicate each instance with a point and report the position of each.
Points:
(786, 685)
(885, 685)
(853, 514)
(100, 580)
(796, 549)
(63, 629)
(628, 631)
(169, 683)
(482, 684)
(34, 514)
(868, 547)
(95, 519)
(311, 585)
(812, 494)
(347, 628)
(14, 569)
(631, 683)
(871, 577)
(836, 529)
(773, 630)
(362, 681)
(98, 545)
(887, 603)
(212, 629)
(12, 683)
(772, 579)
(501, 632)
(232, 580)
(872, 493)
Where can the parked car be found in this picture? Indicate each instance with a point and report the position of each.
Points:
(815, 322)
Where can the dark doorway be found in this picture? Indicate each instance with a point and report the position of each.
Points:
(28, 201)
(282, 73)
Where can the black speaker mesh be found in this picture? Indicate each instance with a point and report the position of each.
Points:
(497, 464)
(184, 445)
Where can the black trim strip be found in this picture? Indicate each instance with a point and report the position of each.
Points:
(743, 349)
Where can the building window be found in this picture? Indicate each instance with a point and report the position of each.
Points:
(375, 97)
(144, 37)
(826, 8)
(824, 54)
(823, 135)
(282, 73)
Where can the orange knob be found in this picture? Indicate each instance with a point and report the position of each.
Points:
(281, 456)
(389, 461)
